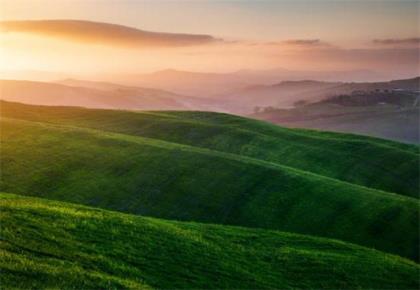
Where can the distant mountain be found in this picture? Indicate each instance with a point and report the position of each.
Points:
(216, 84)
(280, 74)
(188, 83)
(95, 95)
(243, 101)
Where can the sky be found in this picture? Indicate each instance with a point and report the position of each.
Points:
(143, 36)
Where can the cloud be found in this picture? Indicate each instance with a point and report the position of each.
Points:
(105, 33)
(303, 42)
(398, 41)
(299, 43)
(398, 60)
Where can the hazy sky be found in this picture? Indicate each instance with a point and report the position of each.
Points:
(337, 20)
(311, 35)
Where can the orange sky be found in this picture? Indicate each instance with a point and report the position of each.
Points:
(143, 36)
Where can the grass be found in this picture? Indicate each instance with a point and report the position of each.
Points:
(146, 176)
(48, 244)
(370, 162)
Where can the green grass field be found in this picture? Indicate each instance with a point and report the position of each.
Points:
(208, 168)
(147, 176)
(371, 162)
(47, 244)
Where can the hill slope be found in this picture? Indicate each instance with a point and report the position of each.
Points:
(48, 244)
(170, 180)
(95, 95)
(370, 162)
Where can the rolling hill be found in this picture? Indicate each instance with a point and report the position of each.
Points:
(95, 95)
(159, 164)
(47, 244)
(311, 151)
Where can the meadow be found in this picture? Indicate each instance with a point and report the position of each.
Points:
(47, 244)
(291, 191)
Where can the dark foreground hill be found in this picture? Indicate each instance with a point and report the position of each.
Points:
(52, 153)
(48, 244)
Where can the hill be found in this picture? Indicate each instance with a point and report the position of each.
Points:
(48, 244)
(214, 85)
(311, 151)
(95, 95)
(285, 94)
(52, 153)
(390, 115)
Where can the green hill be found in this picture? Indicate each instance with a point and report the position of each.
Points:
(64, 160)
(371, 162)
(47, 244)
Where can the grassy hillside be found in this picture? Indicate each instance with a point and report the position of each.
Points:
(48, 244)
(370, 162)
(163, 179)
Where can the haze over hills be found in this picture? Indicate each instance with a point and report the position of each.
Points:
(216, 84)
(268, 101)
(390, 122)
(95, 95)
(285, 94)
(242, 91)
(159, 164)
(33, 75)
(387, 113)
(242, 99)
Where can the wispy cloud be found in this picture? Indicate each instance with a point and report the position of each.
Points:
(105, 33)
(300, 43)
(404, 60)
(398, 41)
(304, 42)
